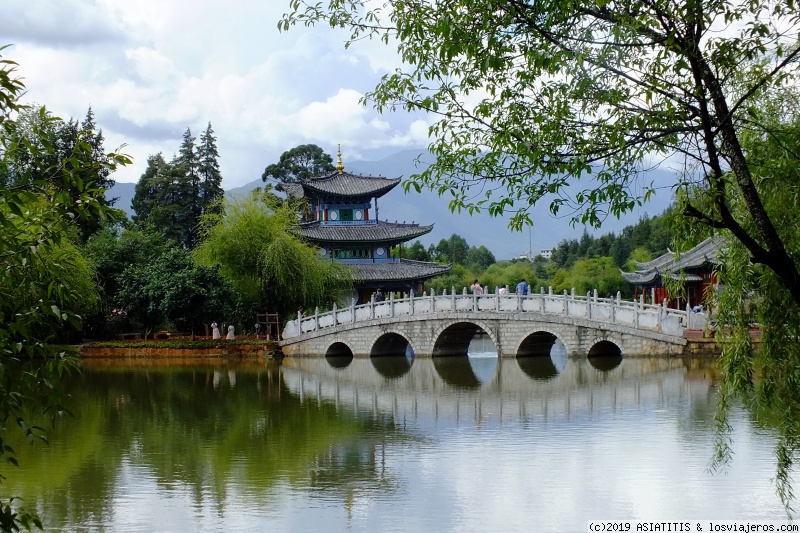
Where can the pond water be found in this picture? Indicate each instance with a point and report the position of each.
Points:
(392, 444)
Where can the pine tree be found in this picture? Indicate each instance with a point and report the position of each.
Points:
(147, 189)
(93, 136)
(171, 197)
(208, 169)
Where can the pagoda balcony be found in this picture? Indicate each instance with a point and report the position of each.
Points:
(348, 222)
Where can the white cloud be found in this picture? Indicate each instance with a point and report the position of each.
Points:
(149, 69)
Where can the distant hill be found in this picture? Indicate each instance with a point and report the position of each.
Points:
(429, 208)
(124, 193)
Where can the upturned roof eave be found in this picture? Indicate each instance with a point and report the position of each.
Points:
(341, 185)
(369, 232)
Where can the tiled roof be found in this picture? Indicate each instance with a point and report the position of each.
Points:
(405, 269)
(670, 265)
(380, 232)
(344, 184)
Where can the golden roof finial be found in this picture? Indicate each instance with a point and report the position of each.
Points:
(339, 165)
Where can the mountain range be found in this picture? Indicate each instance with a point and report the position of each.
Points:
(427, 208)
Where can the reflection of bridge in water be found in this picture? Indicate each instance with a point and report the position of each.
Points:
(522, 389)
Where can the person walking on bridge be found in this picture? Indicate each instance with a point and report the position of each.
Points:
(522, 287)
(476, 288)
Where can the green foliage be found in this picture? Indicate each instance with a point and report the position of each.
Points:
(458, 278)
(172, 289)
(571, 102)
(45, 147)
(270, 268)
(479, 258)
(112, 250)
(416, 251)
(453, 250)
(171, 197)
(46, 282)
(507, 273)
(597, 273)
(208, 171)
(765, 376)
(639, 255)
(583, 95)
(179, 343)
(299, 163)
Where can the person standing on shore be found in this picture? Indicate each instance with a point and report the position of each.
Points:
(214, 331)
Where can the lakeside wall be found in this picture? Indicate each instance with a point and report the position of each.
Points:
(221, 350)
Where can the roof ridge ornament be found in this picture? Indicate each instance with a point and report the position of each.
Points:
(339, 165)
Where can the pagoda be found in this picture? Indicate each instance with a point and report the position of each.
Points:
(696, 268)
(341, 220)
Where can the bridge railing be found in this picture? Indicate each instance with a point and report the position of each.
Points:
(635, 313)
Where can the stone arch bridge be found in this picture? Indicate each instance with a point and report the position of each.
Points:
(444, 325)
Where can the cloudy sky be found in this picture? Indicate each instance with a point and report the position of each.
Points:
(151, 68)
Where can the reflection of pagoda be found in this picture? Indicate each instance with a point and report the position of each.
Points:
(340, 223)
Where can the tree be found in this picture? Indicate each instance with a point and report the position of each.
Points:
(185, 187)
(453, 250)
(165, 201)
(171, 197)
(148, 189)
(112, 251)
(530, 97)
(46, 282)
(417, 252)
(299, 163)
(172, 289)
(270, 268)
(765, 377)
(479, 258)
(45, 143)
(211, 192)
(596, 273)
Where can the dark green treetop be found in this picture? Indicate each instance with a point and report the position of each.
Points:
(299, 163)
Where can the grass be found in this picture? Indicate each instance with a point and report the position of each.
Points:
(179, 343)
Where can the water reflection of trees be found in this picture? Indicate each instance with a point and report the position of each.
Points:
(200, 431)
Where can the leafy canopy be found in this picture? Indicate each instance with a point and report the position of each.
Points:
(46, 283)
(267, 264)
(299, 163)
(570, 101)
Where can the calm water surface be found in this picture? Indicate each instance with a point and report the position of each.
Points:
(390, 444)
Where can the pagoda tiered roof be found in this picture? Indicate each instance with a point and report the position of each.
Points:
(340, 184)
(405, 269)
(381, 232)
(672, 266)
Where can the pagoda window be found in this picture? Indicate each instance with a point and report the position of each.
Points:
(346, 215)
(351, 253)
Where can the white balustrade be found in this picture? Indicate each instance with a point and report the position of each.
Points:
(637, 314)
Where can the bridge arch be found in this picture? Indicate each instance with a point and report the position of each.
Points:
(338, 349)
(455, 336)
(390, 343)
(339, 355)
(540, 342)
(605, 355)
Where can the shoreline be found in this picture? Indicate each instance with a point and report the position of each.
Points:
(181, 349)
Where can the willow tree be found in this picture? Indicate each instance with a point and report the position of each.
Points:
(573, 101)
(270, 267)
